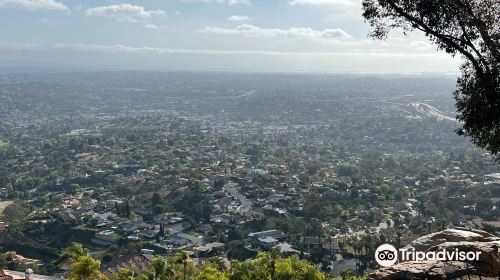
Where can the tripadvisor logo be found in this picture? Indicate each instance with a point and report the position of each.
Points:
(387, 255)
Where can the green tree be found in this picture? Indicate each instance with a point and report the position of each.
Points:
(350, 275)
(156, 199)
(347, 170)
(160, 269)
(266, 266)
(271, 267)
(158, 209)
(209, 271)
(85, 268)
(123, 274)
(73, 252)
(182, 258)
(470, 28)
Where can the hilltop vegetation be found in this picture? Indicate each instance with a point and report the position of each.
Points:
(266, 266)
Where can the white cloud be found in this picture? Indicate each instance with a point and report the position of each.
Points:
(345, 10)
(292, 32)
(33, 5)
(421, 45)
(238, 18)
(328, 3)
(228, 2)
(154, 50)
(126, 12)
(152, 26)
(379, 60)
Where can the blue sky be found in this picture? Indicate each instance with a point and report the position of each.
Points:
(256, 35)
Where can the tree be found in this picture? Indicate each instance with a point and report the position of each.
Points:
(74, 251)
(156, 199)
(350, 275)
(182, 258)
(467, 27)
(347, 170)
(160, 269)
(209, 271)
(85, 268)
(158, 209)
(123, 274)
(317, 231)
(489, 228)
(266, 266)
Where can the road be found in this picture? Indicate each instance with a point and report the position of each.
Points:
(245, 203)
(430, 111)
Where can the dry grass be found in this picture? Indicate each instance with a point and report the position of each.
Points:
(4, 204)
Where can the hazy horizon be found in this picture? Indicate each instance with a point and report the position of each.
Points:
(206, 35)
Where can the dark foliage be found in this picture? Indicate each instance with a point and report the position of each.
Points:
(470, 28)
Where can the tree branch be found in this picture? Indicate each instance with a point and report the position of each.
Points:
(470, 43)
(443, 37)
(483, 31)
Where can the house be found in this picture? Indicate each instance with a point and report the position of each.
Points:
(18, 259)
(276, 234)
(110, 204)
(100, 222)
(177, 240)
(208, 248)
(105, 238)
(267, 242)
(196, 240)
(28, 275)
(256, 172)
(163, 218)
(224, 218)
(148, 234)
(167, 218)
(69, 201)
(3, 226)
(326, 243)
(127, 227)
(205, 229)
(67, 214)
(286, 249)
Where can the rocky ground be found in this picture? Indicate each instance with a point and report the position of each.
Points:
(488, 266)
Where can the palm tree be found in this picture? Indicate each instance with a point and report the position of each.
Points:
(317, 230)
(343, 226)
(217, 262)
(124, 274)
(274, 255)
(162, 269)
(73, 252)
(147, 274)
(360, 248)
(85, 268)
(182, 258)
(159, 269)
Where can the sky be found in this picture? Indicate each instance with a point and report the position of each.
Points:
(206, 35)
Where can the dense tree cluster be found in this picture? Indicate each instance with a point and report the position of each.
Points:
(268, 266)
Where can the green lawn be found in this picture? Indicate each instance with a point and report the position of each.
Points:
(3, 144)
